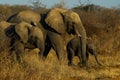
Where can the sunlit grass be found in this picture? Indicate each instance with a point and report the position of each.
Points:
(34, 69)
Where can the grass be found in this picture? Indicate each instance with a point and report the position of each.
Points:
(34, 69)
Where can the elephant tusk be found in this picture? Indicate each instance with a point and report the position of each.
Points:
(79, 35)
(33, 23)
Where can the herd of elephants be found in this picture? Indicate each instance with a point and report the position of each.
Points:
(29, 29)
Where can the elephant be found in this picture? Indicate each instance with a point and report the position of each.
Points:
(64, 21)
(74, 47)
(56, 23)
(29, 16)
(21, 36)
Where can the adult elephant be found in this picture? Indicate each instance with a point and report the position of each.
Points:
(56, 23)
(64, 21)
(22, 35)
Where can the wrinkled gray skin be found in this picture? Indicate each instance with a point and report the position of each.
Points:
(74, 49)
(56, 23)
(21, 36)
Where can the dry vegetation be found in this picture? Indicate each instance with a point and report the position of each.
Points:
(103, 29)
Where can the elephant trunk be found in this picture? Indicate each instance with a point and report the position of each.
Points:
(80, 31)
(95, 55)
(93, 52)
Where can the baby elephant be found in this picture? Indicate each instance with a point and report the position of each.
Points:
(74, 47)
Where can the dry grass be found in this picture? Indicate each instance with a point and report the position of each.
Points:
(103, 29)
(34, 69)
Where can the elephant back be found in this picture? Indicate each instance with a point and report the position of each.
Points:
(75, 42)
(26, 15)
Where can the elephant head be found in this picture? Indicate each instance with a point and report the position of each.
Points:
(23, 29)
(63, 20)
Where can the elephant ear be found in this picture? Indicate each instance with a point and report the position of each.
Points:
(72, 16)
(54, 19)
(22, 30)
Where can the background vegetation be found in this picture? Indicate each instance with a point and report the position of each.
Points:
(103, 30)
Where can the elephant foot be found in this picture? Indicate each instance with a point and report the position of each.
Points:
(99, 64)
(80, 64)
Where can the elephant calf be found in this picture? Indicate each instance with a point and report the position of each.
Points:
(30, 37)
(74, 49)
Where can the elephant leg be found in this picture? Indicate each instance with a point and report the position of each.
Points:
(87, 55)
(80, 57)
(57, 44)
(59, 49)
(87, 51)
(41, 45)
(83, 53)
(48, 47)
(19, 50)
(84, 60)
(70, 55)
(12, 46)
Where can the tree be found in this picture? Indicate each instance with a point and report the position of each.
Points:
(61, 4)
(87, 6)
(37, 4)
